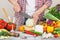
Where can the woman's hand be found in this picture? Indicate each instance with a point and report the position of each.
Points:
(17, 8)
(35, 18)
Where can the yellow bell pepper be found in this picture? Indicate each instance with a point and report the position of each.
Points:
(58, 23)
(50, 29)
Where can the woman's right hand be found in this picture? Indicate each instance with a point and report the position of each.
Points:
(35, 18)
(17, 8)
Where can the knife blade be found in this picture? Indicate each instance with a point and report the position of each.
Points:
(25, 15)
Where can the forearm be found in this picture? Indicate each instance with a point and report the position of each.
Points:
(13, 2)
(46, 5)
(40, 10)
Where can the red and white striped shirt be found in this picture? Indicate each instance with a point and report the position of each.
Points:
(22, 3)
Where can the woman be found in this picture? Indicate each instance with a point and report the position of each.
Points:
(34, 8)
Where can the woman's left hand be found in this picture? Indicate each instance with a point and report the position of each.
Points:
(35, 18)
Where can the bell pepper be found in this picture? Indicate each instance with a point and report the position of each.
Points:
(32, 32)
(58, 23)
(45, 27)
(3, 24)
(50, 29)
(54, 24)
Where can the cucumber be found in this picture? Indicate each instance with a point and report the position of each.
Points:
(39, 33)
(3, 32)
(57, 32)
(57, 29)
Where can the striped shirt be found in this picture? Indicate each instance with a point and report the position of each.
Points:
(39, 3)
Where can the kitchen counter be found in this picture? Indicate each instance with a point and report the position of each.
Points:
(28, 37)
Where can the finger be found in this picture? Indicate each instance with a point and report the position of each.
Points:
(16, 9)
(35, 20)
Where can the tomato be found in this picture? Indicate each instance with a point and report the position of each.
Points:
(55, 35)
(3, 24)
(10, 25)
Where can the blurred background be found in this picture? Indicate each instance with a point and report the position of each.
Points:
(9, 8)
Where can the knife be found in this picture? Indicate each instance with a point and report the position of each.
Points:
(25, 15)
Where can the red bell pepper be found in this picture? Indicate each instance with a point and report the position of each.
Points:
(3, 24)
(30, 33)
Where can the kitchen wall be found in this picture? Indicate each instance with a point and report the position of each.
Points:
(55, 2)
(9, 8)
